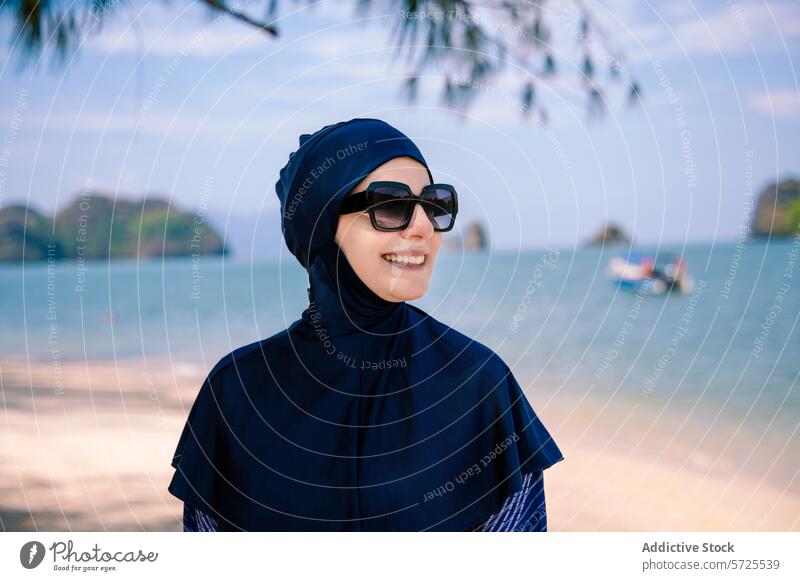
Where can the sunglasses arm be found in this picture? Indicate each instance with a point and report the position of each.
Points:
(354, 203)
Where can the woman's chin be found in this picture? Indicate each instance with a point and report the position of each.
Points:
(405, 290)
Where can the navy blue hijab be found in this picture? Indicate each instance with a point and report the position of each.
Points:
(364, 414)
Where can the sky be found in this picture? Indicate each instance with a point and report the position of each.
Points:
(165, 100)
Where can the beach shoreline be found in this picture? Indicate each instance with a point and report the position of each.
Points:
(86, 445)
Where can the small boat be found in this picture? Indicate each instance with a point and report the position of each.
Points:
(643, 273)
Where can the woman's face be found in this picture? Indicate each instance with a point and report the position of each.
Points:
(374, 254)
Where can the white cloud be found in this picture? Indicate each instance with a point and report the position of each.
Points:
(345, 39)
(210, 39)
(185, 125)
(168, 31)
(740, 27)
(778, 104)
(681, 29)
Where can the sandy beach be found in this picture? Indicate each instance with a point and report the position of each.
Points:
(86, 446)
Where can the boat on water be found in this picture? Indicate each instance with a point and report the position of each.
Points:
(647, 274)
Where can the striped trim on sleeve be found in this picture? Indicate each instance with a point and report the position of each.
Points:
(196, 521)
(524, 511)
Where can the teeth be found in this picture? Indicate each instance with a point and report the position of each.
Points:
(404, 259)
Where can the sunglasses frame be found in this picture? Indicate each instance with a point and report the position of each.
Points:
(362, 202)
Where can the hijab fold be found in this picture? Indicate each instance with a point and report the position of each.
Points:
(365, 414)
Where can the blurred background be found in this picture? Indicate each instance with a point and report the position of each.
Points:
(628, 234)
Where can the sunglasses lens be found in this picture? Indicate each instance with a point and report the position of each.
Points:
(440, 206)
(391, 206)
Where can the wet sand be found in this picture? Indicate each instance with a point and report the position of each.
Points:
(86, 446)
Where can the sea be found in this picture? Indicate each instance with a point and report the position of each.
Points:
(729, 350)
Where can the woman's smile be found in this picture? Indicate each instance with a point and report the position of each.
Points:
(410, 260)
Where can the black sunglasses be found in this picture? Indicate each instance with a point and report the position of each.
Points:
(391, 205)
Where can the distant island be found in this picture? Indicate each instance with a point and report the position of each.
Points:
(98, 226)
(610, 235)
(473, 239)
(777, 211)
(776, 214)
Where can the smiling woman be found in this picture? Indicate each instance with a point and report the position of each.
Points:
(304, 431)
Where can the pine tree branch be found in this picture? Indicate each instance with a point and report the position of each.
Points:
(221, 6)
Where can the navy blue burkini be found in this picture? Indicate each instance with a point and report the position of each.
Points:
(364, 414)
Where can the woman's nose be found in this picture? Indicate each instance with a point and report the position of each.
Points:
(420, 224)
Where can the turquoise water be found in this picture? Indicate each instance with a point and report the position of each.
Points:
(553, 315)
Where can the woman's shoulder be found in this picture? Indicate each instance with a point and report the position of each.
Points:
(249, 357)
(455, 344)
